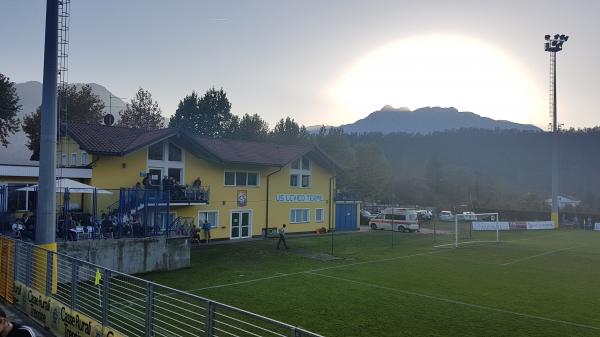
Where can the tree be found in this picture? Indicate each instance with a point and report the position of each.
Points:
(9, 106)
(215, 113)
(142, 112)
(187, 114)
(209, 115)
(287, 131)
(372, 175)
(250, 127)
(79, 105)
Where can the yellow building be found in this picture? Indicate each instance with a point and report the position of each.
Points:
(246, 188)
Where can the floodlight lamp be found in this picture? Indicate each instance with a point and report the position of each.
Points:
(556, 36)
(546, 37)
(547, 46)
(553, 43)
(566, 38)
(562, 36)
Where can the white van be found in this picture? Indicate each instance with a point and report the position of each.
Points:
(400, 219)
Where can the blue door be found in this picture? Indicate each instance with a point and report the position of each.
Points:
(345, 217)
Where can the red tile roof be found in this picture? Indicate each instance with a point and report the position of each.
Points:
(119, 141)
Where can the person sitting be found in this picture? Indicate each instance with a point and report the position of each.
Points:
(18, 228)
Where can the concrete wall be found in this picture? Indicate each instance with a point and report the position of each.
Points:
(132, 256)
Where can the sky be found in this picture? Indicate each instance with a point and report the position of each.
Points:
(325, 62)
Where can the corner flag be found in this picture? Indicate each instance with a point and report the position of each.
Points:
(98, 277)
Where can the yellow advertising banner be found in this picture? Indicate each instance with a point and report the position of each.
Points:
(58, 317)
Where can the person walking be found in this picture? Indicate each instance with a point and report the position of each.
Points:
(206, 228)
(281, 232)
(10, 329)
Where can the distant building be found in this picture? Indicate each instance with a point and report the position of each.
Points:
(564, 201)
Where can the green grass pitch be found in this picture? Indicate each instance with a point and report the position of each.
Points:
(533, 283)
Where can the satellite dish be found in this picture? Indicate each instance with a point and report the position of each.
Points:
(109, 119)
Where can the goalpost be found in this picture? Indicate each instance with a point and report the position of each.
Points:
(460, 231)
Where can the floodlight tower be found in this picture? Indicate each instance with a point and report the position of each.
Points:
(553, 45)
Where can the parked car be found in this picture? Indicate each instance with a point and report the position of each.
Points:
(469, 216)
(446, 216)
(400, 219)
(424, 215)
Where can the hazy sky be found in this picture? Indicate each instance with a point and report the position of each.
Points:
(325, 62)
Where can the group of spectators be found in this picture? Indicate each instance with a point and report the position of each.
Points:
(170, 185)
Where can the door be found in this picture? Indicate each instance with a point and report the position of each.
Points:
(241, 224)
(345, 217)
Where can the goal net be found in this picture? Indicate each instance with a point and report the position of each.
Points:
(467, 229)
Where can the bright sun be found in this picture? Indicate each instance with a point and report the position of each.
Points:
(440, 70)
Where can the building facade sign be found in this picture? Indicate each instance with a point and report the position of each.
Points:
(299, 198)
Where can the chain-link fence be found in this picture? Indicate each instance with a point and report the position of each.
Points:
(75, 297)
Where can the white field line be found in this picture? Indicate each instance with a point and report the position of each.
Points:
(538, 255)
(471, 305)
(127, 304)
(314, 270)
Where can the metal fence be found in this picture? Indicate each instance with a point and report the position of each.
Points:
(127, 305)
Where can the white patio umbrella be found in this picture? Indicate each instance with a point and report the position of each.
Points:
(72, 186)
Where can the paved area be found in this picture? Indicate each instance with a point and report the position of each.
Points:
(17, 316)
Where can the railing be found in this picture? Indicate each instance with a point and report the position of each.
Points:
(75, 297)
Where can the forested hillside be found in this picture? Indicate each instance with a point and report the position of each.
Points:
(482, 168)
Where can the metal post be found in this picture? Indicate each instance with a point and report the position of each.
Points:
(94, 211)
(555, 215)
(497, 229)
(105, 296)
(29, 266)
(455, 230)
(49, 273)
(74, 281)
(167, 219)
(45, 231)
(210, 318)
(16, 262)
(150, 310)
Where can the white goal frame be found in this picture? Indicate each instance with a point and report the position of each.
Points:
(456, 242)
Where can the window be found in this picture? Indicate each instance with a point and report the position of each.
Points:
(241, 178)
(252, 179)
(20, 200)
(174, 153)
(400, 217)
(299, 215)
(63, 160)
(305, 164)
(388, 217)
(74, 159)
(175, 173)
(305, 180)
(319, 214)
(211, 216)
(84, 158)
(300, 173)
(229, 178)
(294, 180)
(155, 152)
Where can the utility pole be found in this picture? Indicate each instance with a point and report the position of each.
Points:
(553, 45)
(45, 229)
